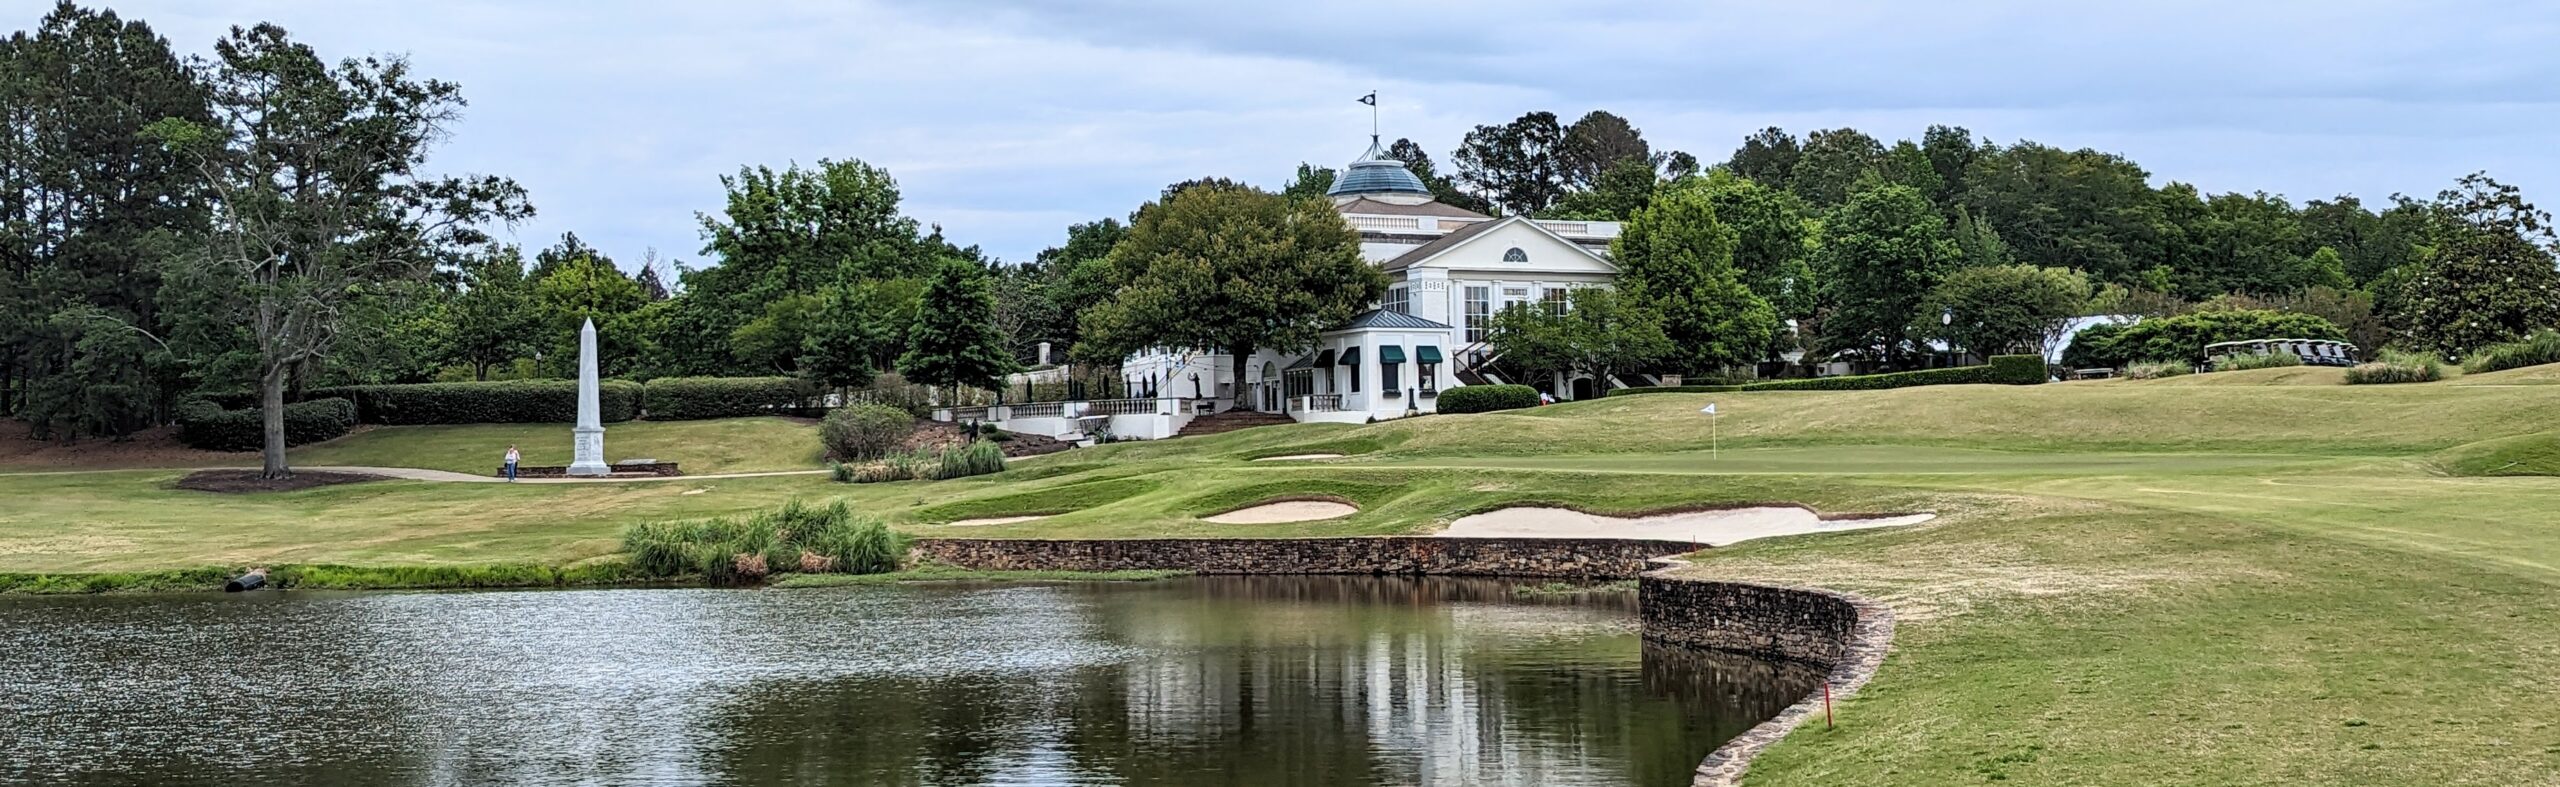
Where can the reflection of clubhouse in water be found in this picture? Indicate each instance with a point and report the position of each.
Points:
(1251, 681)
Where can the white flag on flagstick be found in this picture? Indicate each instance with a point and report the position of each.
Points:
(1710, 409)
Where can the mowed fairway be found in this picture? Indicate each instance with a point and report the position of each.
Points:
(2214, 580)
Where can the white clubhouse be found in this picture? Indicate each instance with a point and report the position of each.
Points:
(1449, 271)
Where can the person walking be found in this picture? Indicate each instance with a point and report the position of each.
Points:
(512, 459)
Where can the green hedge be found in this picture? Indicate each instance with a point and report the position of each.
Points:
(2003, 370)
(205, 425)
(698, 398)
(1487, 398)
(499, 402)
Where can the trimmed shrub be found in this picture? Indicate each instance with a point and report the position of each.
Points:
(205, 425)
(2002, 370)
(2394, 366)
(2541, 347)
(2153, 370)
(497, 402)
(2094, 348)
(795, 537)
(2245, 362)
(2184, 337)
(699, 398)
(978, 457)
(1487, 398)
(865, 431)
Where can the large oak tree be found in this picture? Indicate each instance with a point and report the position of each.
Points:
(1231, 268)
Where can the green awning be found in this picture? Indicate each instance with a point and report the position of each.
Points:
(1324, 358)
(1427, 354)
(1391, 355)
(1351, 356)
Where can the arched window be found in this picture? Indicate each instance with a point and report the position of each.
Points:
(1515, 255)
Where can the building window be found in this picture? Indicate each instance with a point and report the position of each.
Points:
(1399, 301)
(1430, 381)
(1553, 300)
(1479, 312)
(1515, 255)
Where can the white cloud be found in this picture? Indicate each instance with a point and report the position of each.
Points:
(1005, 119)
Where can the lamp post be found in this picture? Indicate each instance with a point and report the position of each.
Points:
(1947, 319)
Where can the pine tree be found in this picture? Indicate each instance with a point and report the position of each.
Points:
(954, 342)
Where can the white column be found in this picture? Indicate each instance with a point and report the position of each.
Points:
(589, 432)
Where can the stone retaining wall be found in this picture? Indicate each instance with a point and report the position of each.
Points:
(1484, 557)
(1845, 636)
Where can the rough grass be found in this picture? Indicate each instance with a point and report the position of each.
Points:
(2542, 347)
(2393, 367)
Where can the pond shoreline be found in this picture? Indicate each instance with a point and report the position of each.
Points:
(1844, 635)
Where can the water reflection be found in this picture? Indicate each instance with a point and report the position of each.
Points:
(1248, 681)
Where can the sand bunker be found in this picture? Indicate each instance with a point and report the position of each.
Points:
(1714, 528)
(1286, 511)
(1298, 457)
(995, 520)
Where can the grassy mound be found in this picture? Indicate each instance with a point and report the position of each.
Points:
(1046, 501)
(2521, 455)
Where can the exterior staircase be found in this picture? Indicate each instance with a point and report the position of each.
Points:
(1230, 421)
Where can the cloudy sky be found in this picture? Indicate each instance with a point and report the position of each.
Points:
(1006, 120)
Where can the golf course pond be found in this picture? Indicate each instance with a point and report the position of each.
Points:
(1206, 680)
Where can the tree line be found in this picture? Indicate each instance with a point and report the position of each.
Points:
(265, 220)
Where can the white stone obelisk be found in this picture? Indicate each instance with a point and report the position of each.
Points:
(590, 429)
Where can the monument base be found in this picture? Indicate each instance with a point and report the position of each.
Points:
(589, 457)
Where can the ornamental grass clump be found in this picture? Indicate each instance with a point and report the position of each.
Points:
(795, 537)
(2153, 370)
(2245, 362)
(976, 458)
(2540, 348)
(2395, 366)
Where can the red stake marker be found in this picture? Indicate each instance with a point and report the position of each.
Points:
(1826, 704)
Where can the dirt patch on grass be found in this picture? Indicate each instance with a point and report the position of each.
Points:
(246, 481)
(1298, 457)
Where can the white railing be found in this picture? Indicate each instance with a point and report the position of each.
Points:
(1385, 223)
(1124, 407)
(1036, 410)
(1319, 403)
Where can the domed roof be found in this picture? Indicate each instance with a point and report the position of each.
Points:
(1375, 173)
